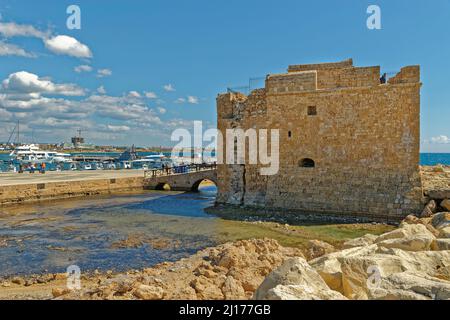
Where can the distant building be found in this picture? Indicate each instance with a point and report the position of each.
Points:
(349, 143)
(77, 142)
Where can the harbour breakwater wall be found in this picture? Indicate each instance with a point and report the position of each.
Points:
(15, 194)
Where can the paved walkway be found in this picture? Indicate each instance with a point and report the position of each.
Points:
(7, 179)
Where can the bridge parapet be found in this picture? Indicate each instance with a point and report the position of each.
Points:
(180, 178)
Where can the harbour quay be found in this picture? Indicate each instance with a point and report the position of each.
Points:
(21, 188)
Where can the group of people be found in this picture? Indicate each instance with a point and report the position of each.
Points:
(32, 167)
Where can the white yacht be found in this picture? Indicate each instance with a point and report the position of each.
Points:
(62, 157)
(29, 154)
(32, 154)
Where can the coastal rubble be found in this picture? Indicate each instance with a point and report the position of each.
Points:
(407, 263)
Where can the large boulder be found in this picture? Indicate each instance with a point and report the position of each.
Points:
(352, 273)
(329, 266)
(419, 242)
(295, 279)
(301, 292)
(145, 292)
(441, 244)
(439, 193)
(441, 220)
(232, 289)
(365, 240)
(410, 286)
(317, 248)
(406, 231)
(444, 232)
(445, 204)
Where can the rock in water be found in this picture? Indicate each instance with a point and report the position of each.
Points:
(295, 279)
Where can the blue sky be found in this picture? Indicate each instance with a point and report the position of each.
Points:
(199, 48)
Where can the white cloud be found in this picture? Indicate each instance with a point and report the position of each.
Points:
(55, 123)
(169, 88)
(11, 29)
(150, 95)
(101, 73)
(5, 115)
(101, 90)
(23, 82)
(114, 128)
(134, 94)
(442, 139)
(67, 45)
(59, 44)
(161, 110)
(123, 108)
(189, 99)
(192, 100)
(8, 49)
(83, 68)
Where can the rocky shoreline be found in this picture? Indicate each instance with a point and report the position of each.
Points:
(410, 262)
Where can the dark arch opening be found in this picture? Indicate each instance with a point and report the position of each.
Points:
(202, 182)
(163, 186)
(307, 163)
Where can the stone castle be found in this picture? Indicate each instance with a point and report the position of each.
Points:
(349, 142)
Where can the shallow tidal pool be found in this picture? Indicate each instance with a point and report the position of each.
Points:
(125, 232)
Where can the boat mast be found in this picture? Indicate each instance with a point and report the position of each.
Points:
(18, 132)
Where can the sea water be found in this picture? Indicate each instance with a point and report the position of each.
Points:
(426, 159)
(89, 233)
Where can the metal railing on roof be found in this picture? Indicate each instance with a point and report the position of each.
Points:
(253, 83)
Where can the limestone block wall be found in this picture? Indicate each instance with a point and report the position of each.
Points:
(363, 139)
(67, 189)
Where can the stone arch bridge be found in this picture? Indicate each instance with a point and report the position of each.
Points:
(181, 178)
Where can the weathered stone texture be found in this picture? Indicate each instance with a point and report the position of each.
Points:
(364, 141)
